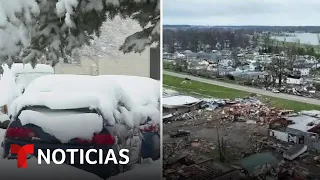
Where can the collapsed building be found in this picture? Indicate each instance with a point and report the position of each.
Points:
(280, 142)
(300, 128)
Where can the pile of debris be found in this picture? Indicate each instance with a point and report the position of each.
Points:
(183, 160)
(249, 110)
(266, 132)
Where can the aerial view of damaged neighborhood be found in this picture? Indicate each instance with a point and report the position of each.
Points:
(241, 89)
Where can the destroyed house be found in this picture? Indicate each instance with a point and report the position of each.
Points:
(179, 104)
(257, 164)
(299, 129)
(305, 130)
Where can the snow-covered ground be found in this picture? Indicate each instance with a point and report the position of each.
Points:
(8, 170)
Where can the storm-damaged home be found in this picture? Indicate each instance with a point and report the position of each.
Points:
(178, 104)
(301, 128)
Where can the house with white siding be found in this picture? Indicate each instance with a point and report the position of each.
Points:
(296, 81)
(303, 71)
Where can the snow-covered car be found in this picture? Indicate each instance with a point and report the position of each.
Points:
(14, 80)
(118, 112)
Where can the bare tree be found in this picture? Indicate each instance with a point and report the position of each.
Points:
(276, 68)
(266, 41)
(318, 36)
(292, 54)
(222, 147)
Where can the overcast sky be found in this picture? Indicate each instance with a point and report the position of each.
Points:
(242, 12)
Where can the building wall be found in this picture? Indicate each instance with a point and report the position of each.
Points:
(283, 136)
(311, 140)
(129, 64)
(304, 71)
(294, 81)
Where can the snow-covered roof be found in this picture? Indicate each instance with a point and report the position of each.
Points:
(129, 100)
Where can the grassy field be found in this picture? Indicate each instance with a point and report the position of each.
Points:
(223, 92)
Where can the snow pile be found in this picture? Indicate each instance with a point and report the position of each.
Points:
(117, 97)
(143, 90)
(64, 126)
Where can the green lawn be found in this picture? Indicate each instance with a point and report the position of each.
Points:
(223, 92)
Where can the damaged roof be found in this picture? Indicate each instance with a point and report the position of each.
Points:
(253, 161)
(179, 101)
(303, 122)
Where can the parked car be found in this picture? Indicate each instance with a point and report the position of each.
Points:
(22, 134)
(52, 97)
(13, 83)
(17, 78)
(275, 91)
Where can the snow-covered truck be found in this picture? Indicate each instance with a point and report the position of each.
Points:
(13, 82)
(78, 111)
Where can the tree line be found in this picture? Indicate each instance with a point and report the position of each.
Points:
(203, 39)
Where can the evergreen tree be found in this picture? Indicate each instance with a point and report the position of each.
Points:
(30, 29)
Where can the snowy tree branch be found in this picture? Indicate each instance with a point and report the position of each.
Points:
(54, 28)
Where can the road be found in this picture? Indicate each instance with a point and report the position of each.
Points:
(247, 89)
